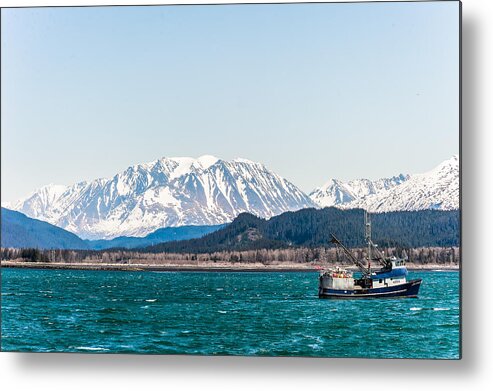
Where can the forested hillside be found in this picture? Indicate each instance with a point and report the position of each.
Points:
(312, 228)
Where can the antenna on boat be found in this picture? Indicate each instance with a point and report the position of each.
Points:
(368, 233)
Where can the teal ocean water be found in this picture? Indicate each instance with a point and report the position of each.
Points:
(211, 313)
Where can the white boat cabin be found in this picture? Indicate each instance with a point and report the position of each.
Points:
(394, 276)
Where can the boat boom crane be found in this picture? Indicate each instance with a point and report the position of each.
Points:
(358, 263)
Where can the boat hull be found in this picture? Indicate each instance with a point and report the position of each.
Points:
(408, 289)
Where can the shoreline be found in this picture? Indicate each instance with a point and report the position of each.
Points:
(201, 267)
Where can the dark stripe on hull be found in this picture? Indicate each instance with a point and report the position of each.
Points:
(409, 289)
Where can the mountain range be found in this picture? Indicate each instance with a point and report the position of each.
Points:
(337, 193)
(20, 231)
(208, 191)
(161, 235)
(167, 192)
(435, 189)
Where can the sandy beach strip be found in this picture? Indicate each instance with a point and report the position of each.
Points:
(198, 267)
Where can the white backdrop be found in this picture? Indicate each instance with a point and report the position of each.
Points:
(475, 371)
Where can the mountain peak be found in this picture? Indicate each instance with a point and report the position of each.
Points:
(207, 160)
(330, 182)
(243, 160)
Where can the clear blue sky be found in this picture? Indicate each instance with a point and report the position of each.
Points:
(305, 89)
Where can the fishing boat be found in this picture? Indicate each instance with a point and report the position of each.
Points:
(389, 281)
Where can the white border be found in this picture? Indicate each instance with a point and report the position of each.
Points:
(92, 372)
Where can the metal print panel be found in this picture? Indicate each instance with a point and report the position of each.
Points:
(243, 179)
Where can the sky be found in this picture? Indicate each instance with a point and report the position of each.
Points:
(313, 91)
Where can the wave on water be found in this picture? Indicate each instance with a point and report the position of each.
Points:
(90, 348)
(151, 300)
(430, 309)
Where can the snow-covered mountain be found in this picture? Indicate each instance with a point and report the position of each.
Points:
(336, 192)
(435, 189)
(167, 192)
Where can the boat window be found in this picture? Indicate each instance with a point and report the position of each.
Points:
(380, 281)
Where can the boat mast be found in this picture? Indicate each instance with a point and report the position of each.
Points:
(368, 233)
(368, 238)
(372, 246)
